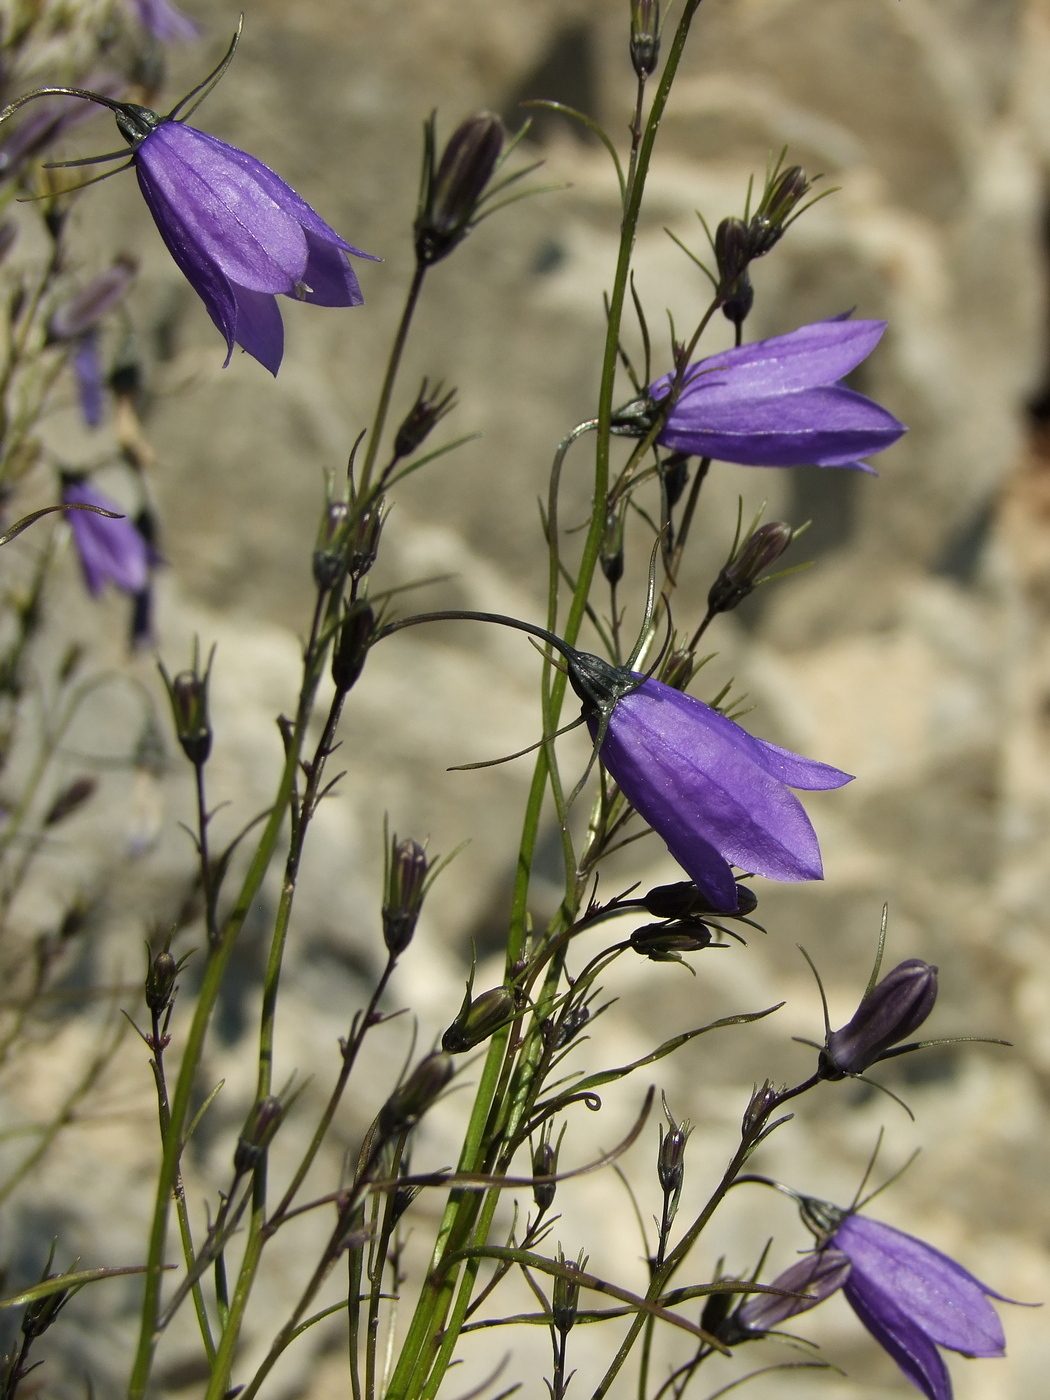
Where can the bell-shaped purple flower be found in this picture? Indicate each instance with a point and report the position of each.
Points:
(110, 550)
(914, 1299)
(717, 795)
(780, 403)
(238, 232)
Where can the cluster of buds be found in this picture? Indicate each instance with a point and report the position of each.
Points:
(188, 693)
(453, 189)
(347, 541)
(738, 242)
(746, 567)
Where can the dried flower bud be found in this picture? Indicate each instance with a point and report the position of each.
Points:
(41, 1312)
(544, 1163)
(664, 942)
(422, 418)
(670, 1161)
(683, 899)
(559, 1035)
(761, 1104)
(645, 36)
(352, 644)
(674, 473)
(363, 540)
(744, 571)
(405, 884)
(79, 791)
(805, 1284)
(891, 1011)
(263, 1122)
(189, 704)
(784, 191)
(566, 1294)
(611, 555)
(452, 189)
(407, 1104)
(160, 982)
(329, 557)
(479, 1020)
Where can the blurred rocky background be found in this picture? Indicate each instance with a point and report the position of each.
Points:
(915, 653)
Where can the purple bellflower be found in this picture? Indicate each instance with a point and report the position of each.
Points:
(167, 24)
(110, 550)
(778, 402)
(714, 793)
(911, 1297)
(240, 235)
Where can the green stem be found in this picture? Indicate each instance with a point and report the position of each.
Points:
(393, 365)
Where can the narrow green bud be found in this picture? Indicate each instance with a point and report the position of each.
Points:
(479, 1020)
(405, 885)
(407, 1104)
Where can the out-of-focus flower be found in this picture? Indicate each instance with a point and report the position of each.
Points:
(716, 794)
(166, 23)
(87, 368)
(779, 402)
(45, 124)
(110, 550)
(95, 300)
(892, 1010)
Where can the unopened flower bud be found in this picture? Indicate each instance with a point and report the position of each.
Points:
(329, 557)
(805, 1284)
(188, 693)
(715, 1311)
(422, 418)
(738, 300)
(674, 473)
(407, 1104)
(405, 885)
(678, 669)
(479, 1020)
(352, 644)
(645, 36)
(566, 1294)
(664, 942)
(732, 250)
(69, 799)
(891, 1011)
(41, 1312)
(783, 193)
(263, 1122)
(363, 540)
(544, 1163)
(561, 1034)
(683, 899)
(761, 1104)
(739, 578)
(452, 189)
(611, 554)
(160, 982)
(670, 1162)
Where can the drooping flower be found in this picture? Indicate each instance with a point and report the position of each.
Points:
(239, 234)
(911, 1297)
(780, 402)
(166, 23)
(714, 793)
(110, 550)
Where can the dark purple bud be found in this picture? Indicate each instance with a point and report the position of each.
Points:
(188, 693)
(84, 310)
(41, 1312)
(160, 982)
(744, 572)
(352, 643)
(674, 473)
(611, 555)
(805, 1284)
(664, 942)
(422, 418)
(407, 1104)
(544, 1163)
(892, 1011)
(645, 36)
(683, 899)
(263, 1122)
(329, 556)
(732, 250)
(453, 189)
(363, 540)
(763, 1101)
(716, 1310)
(670, 1162)
(482, 1018)
(783, 193)
(566, 1294)
(738, 300)
(79, 791)
(405, 885)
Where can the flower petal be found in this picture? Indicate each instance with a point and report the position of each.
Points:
(901, 1337)
(259, 329)
(939, 1295)
(329, 277)
(222, 201)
